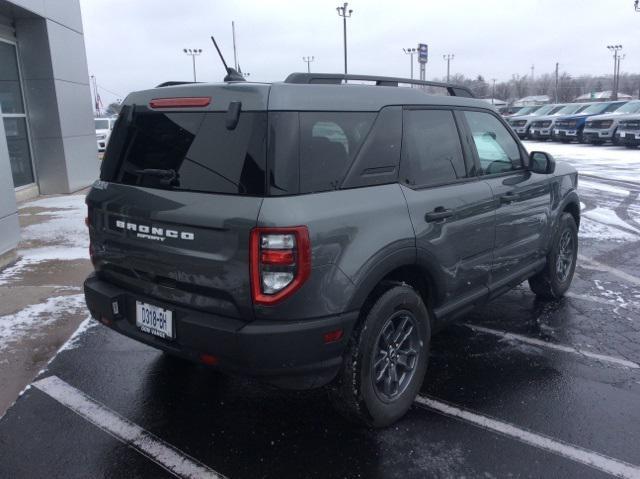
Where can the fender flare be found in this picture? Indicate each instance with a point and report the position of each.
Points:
(385, 262)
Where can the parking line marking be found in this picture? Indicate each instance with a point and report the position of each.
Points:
(614, 271)
(575, 453)
(557, 347)
(162, 453)
(596, 299)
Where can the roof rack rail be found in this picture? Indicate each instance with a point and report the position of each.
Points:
(338, 78)
(174, 83)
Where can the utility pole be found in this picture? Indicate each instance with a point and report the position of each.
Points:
(96, 96)
(235, 53)
(620, 58)
(344, 13)
(493, 91)
(448, 57)
(533, 67)
(615, 49)
(308, 60)
(410, 52)
(193, 53)
(557, 64)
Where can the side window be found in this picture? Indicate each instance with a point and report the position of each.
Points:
(497, 150)
(329, 142)
(431, 150)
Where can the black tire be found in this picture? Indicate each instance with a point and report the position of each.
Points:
(355, 393)
(554, 280)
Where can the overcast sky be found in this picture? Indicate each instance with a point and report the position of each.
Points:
(133, 45)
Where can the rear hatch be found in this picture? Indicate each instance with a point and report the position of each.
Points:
(182, 183)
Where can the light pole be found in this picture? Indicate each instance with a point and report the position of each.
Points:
(410, 52)
(620, 58)
(308, 60)
(493, 91)
(448, 57)
(344, 13)
(615, 49)
(193, 53)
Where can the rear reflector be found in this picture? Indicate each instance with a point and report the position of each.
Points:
(208, 359)
(186, 102)
(333, 336)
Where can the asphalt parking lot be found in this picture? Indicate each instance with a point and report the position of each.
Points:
(518, 388)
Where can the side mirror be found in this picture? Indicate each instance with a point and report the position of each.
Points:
(541, 162)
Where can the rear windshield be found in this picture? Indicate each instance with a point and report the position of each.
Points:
(276, 153)
(188, 152)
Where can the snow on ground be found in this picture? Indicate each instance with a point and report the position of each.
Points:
(59, 234)
(613, 162)
(591, 185)
(594, 230)
(30, 319)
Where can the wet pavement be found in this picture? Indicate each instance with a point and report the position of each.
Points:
(517, 388)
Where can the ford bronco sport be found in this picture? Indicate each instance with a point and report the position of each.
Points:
(315, 233)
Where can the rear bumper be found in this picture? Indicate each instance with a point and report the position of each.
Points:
(288, 354)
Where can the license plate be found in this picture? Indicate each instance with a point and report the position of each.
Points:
(622, 134)
(557, 132)
(154, 320)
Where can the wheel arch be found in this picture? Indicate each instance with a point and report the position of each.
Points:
(399, 268)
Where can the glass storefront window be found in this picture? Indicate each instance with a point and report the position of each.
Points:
(10, 92)
(19, 154)
(13, 116)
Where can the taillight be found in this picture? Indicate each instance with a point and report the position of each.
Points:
(280, 262)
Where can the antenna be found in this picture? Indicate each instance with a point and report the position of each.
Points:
(232, 74)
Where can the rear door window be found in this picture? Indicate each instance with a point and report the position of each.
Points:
(431, 149)
(188, 151)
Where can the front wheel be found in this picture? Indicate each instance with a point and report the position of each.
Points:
(385, 361)
(554, 280)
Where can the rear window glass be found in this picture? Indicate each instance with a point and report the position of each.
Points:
(191, 151)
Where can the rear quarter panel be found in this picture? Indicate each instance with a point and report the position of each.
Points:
(351, 231)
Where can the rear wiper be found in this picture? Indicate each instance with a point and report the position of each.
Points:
(167, 177)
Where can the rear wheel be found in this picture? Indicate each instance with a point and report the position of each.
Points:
(385, 361)
(554, 280)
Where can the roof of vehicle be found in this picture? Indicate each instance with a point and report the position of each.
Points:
(312, 96)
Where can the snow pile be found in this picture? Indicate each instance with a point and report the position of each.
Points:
(63, 235)
(74, 340)
(30, 319)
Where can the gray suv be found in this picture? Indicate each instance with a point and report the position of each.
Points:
(314, 233)
(600, 128)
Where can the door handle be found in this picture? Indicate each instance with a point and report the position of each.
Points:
(440, 213)
(509, 197)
